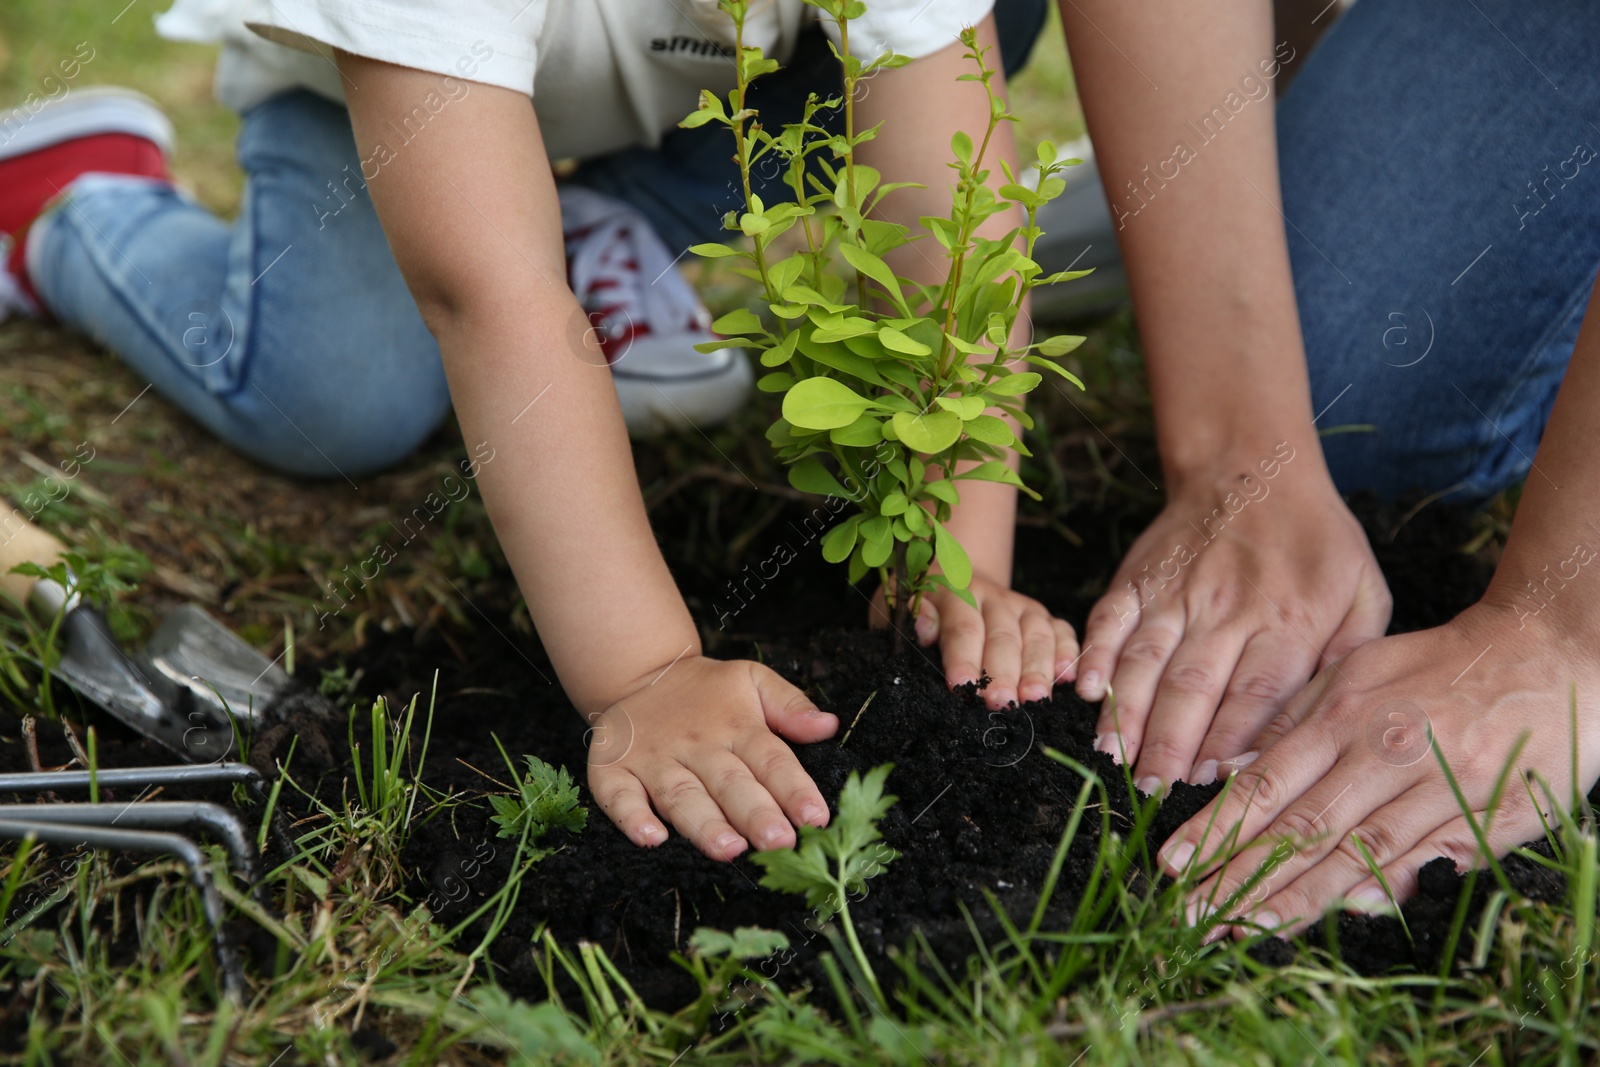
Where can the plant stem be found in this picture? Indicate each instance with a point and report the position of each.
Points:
(744, 153)
(901, 596)
(952, 284)
(850, 82)
(856, 949)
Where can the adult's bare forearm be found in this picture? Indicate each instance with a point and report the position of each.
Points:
(1177, 99)
(1550, 571)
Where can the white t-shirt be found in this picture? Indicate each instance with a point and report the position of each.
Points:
(603, 74)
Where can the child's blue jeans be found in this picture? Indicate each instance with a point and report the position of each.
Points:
(1437, 164)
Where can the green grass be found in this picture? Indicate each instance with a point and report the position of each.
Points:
(104, 961)
(122, 971)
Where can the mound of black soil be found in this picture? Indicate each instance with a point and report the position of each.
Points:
(981, 806)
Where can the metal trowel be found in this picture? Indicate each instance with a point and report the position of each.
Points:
(195, 688)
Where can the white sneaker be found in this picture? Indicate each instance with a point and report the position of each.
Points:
(649, 319)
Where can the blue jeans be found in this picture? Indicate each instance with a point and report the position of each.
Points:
(290, 334)
(1442, 263)
(1444, 234)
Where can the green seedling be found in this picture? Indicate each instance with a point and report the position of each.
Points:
(30, 647)
(832, 863)
(715, 959)
(894, 391)
(546, 799)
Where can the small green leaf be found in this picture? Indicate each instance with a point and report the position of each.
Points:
(1021, 194)
(877, 553)
(1064, 276)
(804, 294)
(944, 490)
(991, 430)
(785, 272)
(918, 555)
(964, 593)
(843, 330)
(1056, 367)
(966, 408)
(961, 145)
(839, 542)
(825, 404)
(745, 943)
(856, 570)
(930, 432)
(952, 557)
(863, 433)
(738, 322)
(1059, 345)
(774, 383)
(966, 348)
(995, 471)
(876, 269)
(944, 231)
(895, 504)
(1014, 384)
(781, 352)
(715, 250)
(895, 341)
(810, 476)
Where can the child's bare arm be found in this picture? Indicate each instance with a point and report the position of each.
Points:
(470, 210)
(922, 105)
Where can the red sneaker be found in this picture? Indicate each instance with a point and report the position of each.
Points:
(647, 319)
(44, 148)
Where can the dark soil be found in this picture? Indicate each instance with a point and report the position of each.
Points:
(981, 807)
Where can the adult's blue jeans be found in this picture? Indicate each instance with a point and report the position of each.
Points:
(1442, 187)
(1435, 163)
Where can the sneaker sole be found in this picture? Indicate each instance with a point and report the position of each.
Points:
(85, 113)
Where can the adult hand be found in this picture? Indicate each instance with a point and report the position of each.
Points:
(1352, 759)
(697, 742)
(1252, 575)
(1010, 637)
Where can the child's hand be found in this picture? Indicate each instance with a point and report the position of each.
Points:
(697, 742)
(1024, 649)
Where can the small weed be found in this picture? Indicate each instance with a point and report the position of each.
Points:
(831, 863)
(546, 799)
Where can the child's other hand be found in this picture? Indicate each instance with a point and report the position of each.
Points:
(698, 743)
(1024, 649)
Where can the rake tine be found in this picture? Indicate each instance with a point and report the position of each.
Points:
(222, 823)
(171, 774)
(147, 841)
(174, 774)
